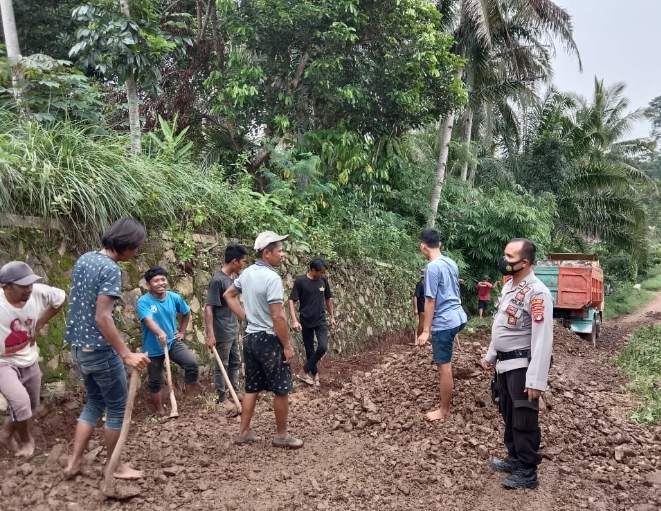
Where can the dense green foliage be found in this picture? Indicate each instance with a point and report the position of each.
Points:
(324, 120)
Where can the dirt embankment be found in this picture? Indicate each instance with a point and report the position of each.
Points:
(368, 446)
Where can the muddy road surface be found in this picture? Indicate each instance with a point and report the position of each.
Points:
(367, 445)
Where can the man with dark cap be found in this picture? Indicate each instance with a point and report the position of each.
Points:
(25, 308)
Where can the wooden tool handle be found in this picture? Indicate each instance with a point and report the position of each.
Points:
(173, 400)
(114, 459)
(228, 383)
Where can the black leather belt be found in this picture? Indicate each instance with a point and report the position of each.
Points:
(510, 355)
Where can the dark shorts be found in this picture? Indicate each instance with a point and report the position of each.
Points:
(265, 364)
(483, 304)
(442, 342)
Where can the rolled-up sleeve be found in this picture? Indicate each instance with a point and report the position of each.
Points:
(541, 342)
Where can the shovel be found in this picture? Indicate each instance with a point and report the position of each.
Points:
(228, 383)
(108, 486)
(174, 411)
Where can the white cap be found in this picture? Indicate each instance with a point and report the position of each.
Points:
(266, 238)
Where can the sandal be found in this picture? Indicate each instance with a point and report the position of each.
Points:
(306, 379)
(250, 439)
(291, 442)
(316, 381)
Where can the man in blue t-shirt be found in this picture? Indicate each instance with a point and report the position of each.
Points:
(158, 311)
(444, 316)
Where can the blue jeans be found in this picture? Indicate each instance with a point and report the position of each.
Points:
(442, 342)
(104, 377)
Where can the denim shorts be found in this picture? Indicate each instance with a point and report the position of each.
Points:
(442, 342)
(104, 376)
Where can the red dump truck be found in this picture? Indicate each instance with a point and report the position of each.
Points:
(577, 284)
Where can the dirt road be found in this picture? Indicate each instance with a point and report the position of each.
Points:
(369, 448)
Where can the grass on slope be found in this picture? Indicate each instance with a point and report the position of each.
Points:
(625, 300)
(653, 281)
(641, 361)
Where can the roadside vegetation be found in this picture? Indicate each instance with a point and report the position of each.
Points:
(350, 126)
(641, 361)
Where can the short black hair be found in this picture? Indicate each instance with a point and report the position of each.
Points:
(318, 264)
(528, 249)
(270, 247)
(124, 234)
(235, 251)
(430, 237)
(154, 272)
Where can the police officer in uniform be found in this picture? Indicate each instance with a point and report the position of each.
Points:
(520, 351)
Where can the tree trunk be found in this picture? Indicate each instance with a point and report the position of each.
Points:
(11, 34)
(134, 114)
(132, 97)
(445, 130)
(467, 142)
(218, 43)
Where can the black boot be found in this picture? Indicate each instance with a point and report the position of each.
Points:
(523, 477)
(509, 464)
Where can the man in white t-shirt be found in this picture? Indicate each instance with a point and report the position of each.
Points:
(25, 308)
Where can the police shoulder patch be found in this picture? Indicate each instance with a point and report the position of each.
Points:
(537, 306)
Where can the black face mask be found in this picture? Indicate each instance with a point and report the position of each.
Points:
(507, 268)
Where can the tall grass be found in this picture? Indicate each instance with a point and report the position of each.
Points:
(71, 172)
(641, 360)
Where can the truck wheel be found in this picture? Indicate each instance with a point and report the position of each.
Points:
(592, 336)
(598, 318)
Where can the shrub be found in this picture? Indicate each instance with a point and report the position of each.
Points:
(620, 268)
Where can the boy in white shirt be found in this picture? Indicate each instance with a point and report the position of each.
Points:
(25, 308)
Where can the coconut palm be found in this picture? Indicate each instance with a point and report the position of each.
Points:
(482, 33)
(576, 149)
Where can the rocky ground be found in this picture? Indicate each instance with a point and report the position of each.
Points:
(368, 446)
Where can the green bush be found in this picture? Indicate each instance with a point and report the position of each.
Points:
(620, 267)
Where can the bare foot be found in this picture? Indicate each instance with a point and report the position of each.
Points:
(437, 415)
(123, 471)
(72, 469)
(26, 450)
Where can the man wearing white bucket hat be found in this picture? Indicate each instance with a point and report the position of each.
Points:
(266, 346)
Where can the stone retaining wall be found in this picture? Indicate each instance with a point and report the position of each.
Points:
(370, 297)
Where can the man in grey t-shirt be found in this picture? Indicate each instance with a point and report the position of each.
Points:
(267, 348)
(221, 323)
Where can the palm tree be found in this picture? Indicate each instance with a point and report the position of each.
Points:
(576, 149)
(482, 30)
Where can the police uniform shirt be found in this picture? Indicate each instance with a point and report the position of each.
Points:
(524, 320)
